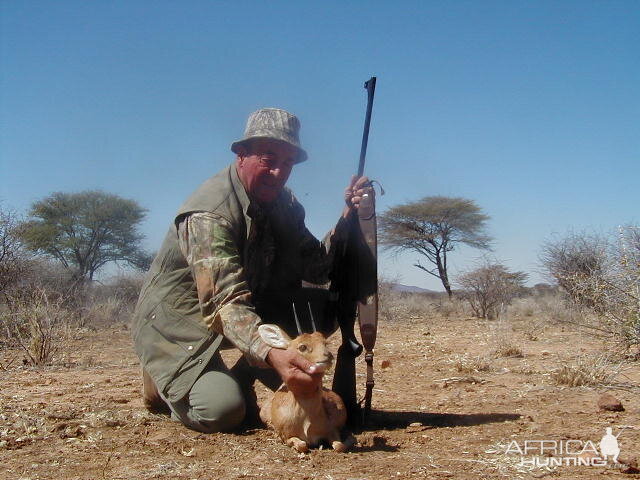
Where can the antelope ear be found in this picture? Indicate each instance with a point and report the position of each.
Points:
(274, 336)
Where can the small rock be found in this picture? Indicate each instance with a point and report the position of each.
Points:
(119, 400)
(385, 364)
(189, 453)
(415, 427)
(544, 353)
(68, 415)
(58, 427)
(73, 432)
(608, 402)
(114, 423)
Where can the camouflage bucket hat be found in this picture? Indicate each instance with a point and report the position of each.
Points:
(275, 124)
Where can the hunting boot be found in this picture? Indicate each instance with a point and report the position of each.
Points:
(151, 397)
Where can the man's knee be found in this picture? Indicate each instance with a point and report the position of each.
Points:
(217, 403)
(211, 419)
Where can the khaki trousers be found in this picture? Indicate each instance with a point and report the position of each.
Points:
(222, 399)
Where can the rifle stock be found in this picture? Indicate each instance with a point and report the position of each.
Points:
(344, 286)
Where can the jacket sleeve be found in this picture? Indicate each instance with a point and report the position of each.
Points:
(207, 242)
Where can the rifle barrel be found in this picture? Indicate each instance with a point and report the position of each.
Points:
(370, 85)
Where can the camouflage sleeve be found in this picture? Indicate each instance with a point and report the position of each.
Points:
(207, 242)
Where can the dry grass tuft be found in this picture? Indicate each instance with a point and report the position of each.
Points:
(593, 371)
(526, 370)
(533, 330)
(467, 364)
(508, 350)
(504, 345)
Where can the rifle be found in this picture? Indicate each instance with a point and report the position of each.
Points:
(355, 284)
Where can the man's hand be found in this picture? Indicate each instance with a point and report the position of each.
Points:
(358, 186)
(296, 371)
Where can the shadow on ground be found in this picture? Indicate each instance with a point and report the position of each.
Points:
(396, 420)
(378, 444)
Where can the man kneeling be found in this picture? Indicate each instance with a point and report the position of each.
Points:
(235, 255)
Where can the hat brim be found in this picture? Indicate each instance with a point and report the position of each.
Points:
(302, 154)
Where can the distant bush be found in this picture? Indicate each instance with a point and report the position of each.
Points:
(112, 302)
(14, 260)
(396, 306)
(556, 309)
(490, 288)
(576, 262)
(126, 287)
(35, 322)
(41, 307)
(602, 275)
(41, 300)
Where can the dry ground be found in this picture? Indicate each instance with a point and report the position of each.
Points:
(440, 414)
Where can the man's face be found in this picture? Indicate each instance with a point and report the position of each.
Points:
(264, 167)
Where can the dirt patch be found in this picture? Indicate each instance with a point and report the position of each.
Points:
(446, 406)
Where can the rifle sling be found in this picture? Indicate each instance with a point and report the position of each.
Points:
(368, 289)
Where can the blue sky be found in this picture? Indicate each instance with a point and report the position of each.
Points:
(529, 108)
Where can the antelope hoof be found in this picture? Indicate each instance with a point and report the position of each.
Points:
(339, 447)
(349, 442)
(300, 445)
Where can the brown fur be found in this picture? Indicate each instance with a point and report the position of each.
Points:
(303, 422)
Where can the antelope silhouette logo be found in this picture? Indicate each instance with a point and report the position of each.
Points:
(609, 445)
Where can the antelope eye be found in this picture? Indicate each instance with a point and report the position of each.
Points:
(302, 348)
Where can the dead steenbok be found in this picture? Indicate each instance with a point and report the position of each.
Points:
(305, 421)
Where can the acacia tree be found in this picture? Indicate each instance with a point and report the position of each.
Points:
(85, 231)
(433, 227)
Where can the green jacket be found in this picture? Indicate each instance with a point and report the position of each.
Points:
(171, 339)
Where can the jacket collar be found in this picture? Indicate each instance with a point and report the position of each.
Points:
(241, 195)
